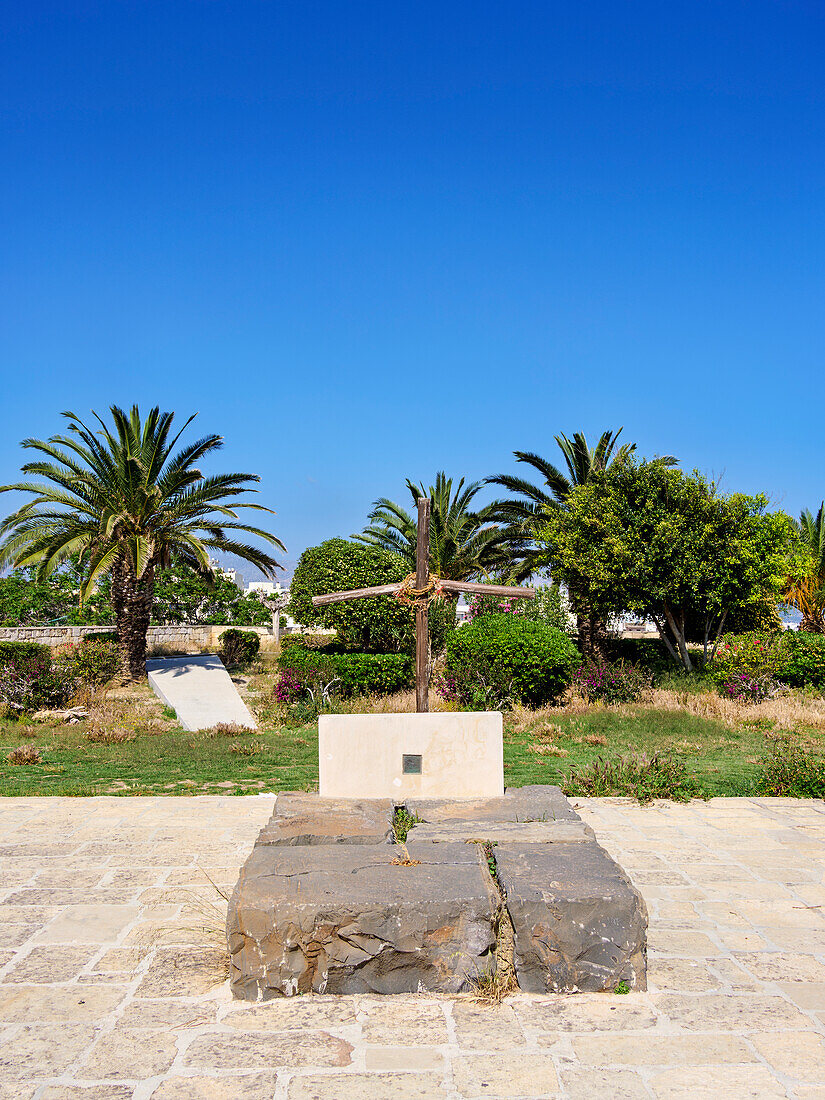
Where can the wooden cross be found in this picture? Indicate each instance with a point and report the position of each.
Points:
(420, 598)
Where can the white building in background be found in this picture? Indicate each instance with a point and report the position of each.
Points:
(267, 588)
(233, 576)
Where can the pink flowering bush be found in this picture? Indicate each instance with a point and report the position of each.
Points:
(611, 682)
(756, 656)
(28, 682)
(745, 688)
(289, 688)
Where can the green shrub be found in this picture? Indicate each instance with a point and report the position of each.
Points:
(802, 659)
(755, 656)
(376, 625)
(10, 650)
(649, 653)
(636, 776)
(239, 647)
(506, 656)
(547, 607)
(93, 662)
(795, 658)
(356, 673)
(325, 642)
(786, 770)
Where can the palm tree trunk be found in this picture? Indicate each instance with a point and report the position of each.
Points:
(132, 599)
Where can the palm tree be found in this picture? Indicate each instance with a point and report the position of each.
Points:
(464, 543)
(523, 514)
(806, 591)
(582, 463)
(128, 506)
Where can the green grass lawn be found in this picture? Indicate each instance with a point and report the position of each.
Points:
(538, 748)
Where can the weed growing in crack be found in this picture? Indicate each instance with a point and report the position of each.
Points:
(402, 822)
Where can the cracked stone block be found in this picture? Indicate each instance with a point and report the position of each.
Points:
(306, 819)
(534, 803)
(579, 923)
(339, 918)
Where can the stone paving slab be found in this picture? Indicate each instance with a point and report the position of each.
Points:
(728, 1012)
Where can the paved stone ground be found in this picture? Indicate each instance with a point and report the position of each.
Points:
(112, 970)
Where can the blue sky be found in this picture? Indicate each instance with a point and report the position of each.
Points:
(373, 240)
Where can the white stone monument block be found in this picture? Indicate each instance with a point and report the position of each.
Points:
(400, 756)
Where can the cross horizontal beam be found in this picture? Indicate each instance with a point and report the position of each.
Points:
(355, 594)
(488, 589)
(448, 586)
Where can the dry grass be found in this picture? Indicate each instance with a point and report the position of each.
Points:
(788, 711)
(25, 754)
(227, 729)
(111, 736)
(595, 739)
(543, 749)
(252, 748)
(543, 739)
(402, 702)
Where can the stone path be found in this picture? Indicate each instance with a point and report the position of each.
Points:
(112, 970)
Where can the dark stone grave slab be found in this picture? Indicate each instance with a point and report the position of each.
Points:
(326, 903)
(519, 804)
(579, 923)
(300, 819)
(346, 919)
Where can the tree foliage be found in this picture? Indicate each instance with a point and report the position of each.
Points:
(526, 509)
(29, 600)
(647, 538)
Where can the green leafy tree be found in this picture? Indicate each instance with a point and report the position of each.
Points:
(525, 513)
(182, 596)
(668, 545)
(465, 543)
(123, 500)
(376, 625)
(26, 600)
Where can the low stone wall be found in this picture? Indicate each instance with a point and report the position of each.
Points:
(179, 638)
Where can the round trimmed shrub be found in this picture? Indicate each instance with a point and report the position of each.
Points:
(500, 657)
(376, 625)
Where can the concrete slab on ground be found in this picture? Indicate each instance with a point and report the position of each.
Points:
(199, 690)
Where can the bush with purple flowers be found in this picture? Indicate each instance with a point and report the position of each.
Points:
(745, 688)
(28, 682)
(611, 682)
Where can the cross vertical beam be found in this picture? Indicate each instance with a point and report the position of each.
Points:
(422, 630)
